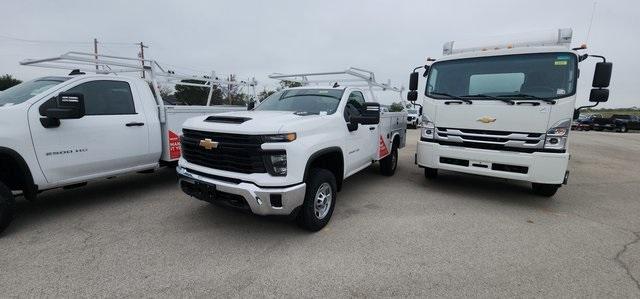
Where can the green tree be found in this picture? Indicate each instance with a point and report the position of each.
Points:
(264, 94)
(8, 81)
(289, 84)
(396, 107)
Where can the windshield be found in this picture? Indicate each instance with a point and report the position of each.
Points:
(410, 111)
(24, 91)
(304, 101)
(540, 75)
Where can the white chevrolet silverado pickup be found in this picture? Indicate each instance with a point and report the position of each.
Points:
(65, 131)
(291, 153)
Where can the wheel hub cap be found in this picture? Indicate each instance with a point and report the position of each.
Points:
(322, 201)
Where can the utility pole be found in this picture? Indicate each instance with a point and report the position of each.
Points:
(141, 55)
(95, 51)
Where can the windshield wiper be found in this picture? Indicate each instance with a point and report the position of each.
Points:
(527, 96)
(452, 97)
(484, 96)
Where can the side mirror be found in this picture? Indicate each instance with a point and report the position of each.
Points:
(412, 96)
(413, 81)
(352, 125)
(370, 116)
(68, 106)
(599, 95)
(251, 105)
(602, 74)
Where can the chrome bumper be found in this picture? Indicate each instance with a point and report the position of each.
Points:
(261, 201)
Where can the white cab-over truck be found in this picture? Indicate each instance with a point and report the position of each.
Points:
(290, 154)
(504, 110)
(62, 131)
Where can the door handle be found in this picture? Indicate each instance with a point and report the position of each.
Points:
(372, 128)
(135, 124)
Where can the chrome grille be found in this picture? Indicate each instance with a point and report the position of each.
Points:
(486, 139)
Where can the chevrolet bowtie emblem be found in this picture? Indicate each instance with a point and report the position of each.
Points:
(486, 119)
(208, 144)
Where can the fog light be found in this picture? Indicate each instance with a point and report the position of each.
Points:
(276, 200)
(553, 140)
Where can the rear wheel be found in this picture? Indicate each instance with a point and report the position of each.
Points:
(623, 129)
(430, 173)
(7, 207)
(389, 163)
(547, 190)
(319, 200)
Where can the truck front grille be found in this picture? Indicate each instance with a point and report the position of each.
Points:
(234, 152)
(486, 139)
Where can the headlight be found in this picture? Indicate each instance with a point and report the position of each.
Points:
(280, 137)
(277, 163)
(557, 135)
(428, 131)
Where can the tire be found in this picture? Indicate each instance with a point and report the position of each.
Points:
(312, 215)
(430, 173)
(623, 129)
(546, 190)
(389, 164)
(7, 207)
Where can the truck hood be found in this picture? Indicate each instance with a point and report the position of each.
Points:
(493, 115)
(249, 122)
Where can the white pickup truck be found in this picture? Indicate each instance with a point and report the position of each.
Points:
(65, 131)
(291, 153)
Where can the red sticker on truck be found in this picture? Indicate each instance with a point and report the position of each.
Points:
(174, 145)
(383, 151)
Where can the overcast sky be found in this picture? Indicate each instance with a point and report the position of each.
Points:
(256, 38)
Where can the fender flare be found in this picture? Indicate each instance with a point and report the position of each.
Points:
(30, 189)
(324, 151)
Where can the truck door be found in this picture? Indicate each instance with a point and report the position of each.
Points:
(110, 138)
(362, 141)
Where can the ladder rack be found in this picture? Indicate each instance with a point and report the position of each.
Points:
(109, 64)
(356, 77)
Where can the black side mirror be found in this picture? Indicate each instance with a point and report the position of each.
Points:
(370, 116)
(67, 106)
(413, 81)
(420, 111)
(352, 125)
(251, 105)
(599, 95)
(412, 96)
(602, 74)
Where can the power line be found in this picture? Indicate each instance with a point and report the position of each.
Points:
(38, 41)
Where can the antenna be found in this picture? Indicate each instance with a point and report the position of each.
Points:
(593, 12)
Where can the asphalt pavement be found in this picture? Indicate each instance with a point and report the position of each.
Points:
(460, 235)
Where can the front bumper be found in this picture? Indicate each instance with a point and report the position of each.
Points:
(539, 167)
(260, 200)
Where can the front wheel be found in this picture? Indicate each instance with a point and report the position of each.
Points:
(319, 200)
(7, 207)
(546, 190)
(389, 163)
